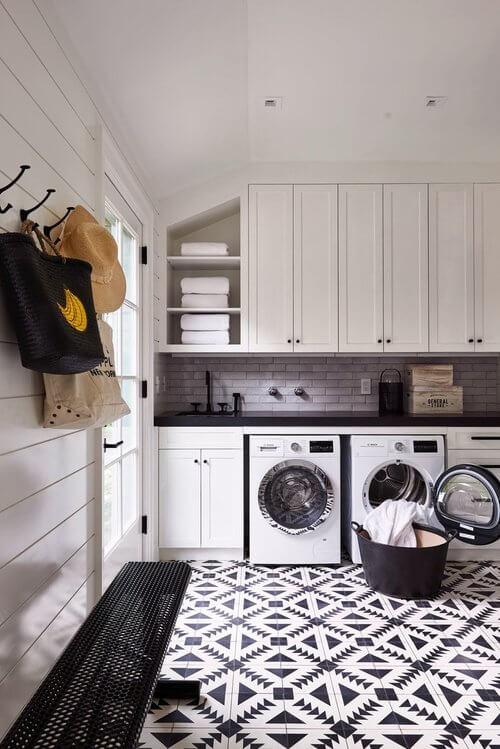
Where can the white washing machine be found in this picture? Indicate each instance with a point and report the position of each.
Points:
(294, 497)
(465, 498)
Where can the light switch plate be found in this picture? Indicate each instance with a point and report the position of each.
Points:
(366, 386)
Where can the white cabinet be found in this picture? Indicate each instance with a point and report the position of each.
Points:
(406, 268)
(179, 498)
(221, 499)
(360, 268)
(451, 268)
(315, 260)
(271, 267)
(201, 498)
(487, 266)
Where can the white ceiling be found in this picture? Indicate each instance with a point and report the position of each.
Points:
(186, 80)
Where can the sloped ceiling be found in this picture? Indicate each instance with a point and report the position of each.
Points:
(187, 80)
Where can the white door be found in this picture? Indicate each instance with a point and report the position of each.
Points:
(451, 268)
(360, 268)
(271, 267)
(406, 268)
(179, 498)
(487, 266)
(122, 446)
(315, 244)
(222, 499)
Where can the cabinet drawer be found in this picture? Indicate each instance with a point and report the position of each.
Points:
(474, 438)
(199, 438)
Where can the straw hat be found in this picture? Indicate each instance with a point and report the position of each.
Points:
(83, 238)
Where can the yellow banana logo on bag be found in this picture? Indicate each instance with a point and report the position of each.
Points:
(74, 311)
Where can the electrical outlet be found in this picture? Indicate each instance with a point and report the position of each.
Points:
(366, 386)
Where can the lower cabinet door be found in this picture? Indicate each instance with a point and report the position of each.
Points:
(179, 498)
(222, 499)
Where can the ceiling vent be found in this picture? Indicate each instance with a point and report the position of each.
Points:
(434, 102)
(272, 102)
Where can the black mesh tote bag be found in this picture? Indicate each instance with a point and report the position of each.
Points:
(49, 301)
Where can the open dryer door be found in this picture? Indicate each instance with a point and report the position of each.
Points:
(467, 499)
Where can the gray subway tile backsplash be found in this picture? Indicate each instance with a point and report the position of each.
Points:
(330, 383)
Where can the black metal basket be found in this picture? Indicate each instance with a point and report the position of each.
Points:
(404, 572)
(49, 300)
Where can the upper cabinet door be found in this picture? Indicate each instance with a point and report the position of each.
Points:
(315, 268)
(406, 268)
(360, 268)
(487, 266)
(451, 268)
(271, 267)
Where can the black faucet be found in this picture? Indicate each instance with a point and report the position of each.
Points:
(208, 383)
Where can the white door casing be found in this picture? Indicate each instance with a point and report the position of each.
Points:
(406, 268)
(451, 268)
(360, 268)
(271, 267)
(315, 300)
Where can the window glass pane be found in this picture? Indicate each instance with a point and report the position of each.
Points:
(111, 507)
(129, 483)
(129, 422)
(129, 264)
(128, 347)
(114, 319)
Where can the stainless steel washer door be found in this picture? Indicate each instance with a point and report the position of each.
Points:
(295, 496)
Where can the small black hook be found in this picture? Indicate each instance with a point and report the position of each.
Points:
(7, 207)
(23, 168)
(48, 229)
(24, 213)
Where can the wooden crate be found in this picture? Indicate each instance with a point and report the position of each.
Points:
(429, 375)
(435, 400)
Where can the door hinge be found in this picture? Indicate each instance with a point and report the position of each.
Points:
(144, 254)
(144, 524)
(144, 389)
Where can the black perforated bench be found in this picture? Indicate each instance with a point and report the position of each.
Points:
(99, 692)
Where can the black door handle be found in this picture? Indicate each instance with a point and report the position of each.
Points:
(109, 445)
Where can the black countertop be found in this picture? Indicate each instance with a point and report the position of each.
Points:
(328, 419)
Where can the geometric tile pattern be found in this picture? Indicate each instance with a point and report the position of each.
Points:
(311, 658)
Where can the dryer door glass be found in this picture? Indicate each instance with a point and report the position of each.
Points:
(467, 498)
(397, 481)
(295, 496)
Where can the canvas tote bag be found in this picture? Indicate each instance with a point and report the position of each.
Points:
(89, 399)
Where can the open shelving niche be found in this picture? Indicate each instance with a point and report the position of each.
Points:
(219, 224)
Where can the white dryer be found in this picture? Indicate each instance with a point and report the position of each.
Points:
(294, 498)
(465, 498)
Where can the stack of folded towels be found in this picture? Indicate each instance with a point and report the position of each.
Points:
(210, 291)
(204, 249)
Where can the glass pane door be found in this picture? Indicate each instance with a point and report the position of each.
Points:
(122, 439)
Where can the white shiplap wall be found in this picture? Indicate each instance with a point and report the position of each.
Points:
(47, 478)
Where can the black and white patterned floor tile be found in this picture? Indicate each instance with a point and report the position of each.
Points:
(311, 658)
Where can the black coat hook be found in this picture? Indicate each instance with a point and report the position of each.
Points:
(48, 229)
(23, 168)
(25, 213)
(7, 207)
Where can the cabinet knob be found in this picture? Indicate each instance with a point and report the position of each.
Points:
(205, 461)
(196, 460)
(289, 340)
(379, 340)
(471, 340)
(298, 340)
(388, 340)
(479, 340)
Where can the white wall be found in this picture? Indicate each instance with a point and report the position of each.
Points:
(48, 479)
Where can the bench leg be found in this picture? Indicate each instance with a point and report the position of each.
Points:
(182, 689)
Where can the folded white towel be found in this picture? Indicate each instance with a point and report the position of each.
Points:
(203, 249)
(204, 300)
(218, 337)
(392, 522)
(205, 285)
(205, 322)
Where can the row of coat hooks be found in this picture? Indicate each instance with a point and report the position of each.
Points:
(24, 213)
